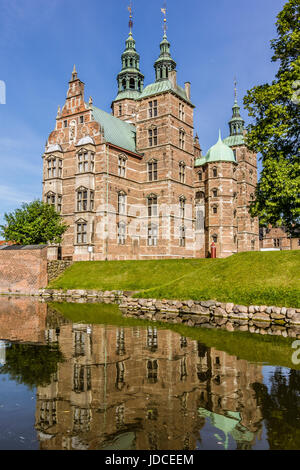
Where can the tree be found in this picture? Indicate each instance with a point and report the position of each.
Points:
(35, 223)
(275, 132)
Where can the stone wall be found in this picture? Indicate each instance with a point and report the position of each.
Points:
(23, 269)
(56, 267)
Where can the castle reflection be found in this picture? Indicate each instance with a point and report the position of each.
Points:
(143, 388)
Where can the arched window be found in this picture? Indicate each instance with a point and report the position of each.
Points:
(214, 209)
(132, 84)
(181, 138)
(215, 192)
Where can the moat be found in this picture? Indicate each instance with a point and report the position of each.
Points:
(84, 377)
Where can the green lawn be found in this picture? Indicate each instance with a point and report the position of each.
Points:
(253, 278)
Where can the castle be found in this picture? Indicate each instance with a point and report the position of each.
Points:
(134, 184)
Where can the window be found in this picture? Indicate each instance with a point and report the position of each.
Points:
(59, 203)
(152, 235)
(122, 166)
(120, 379)
(181, 111)
(152, 339)
(253, 245)
(82, 232)
(181, 138)
(152, 369)
(152, 108)
(122, 203)
(152, 135)
(60, 163)
(65, 123)
(215, 209)
(85, 161)
(82, 200)
(52, 166)
(215, 238)
(182, 172)
(121, 233)
(152, 206)
(215, 192)
(234, 153)
(51, 199)
(181, 207)
(276, 242)
(81, 119)
(120, 110)
(200, 175)
(182, 236)
(92, 200)
(152, 170)
(215, 172)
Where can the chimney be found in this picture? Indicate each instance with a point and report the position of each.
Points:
(187, 87)
(172, 78)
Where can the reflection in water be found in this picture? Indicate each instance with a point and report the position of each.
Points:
(140, 387)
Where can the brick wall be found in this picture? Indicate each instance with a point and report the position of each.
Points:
(23, 269)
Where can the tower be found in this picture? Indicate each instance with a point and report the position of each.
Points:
(246, 175)
(130, 80)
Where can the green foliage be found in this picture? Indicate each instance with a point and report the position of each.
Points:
(253, 278)
(275, 132)
(35, 223)
(31, 364)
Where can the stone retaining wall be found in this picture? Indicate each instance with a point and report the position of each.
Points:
(56, 267)
(210, 314)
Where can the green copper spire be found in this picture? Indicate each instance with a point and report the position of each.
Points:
(130, 79)
(164, 64)
(236, 123)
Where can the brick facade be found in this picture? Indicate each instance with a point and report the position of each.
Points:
(23, 269)
(278, 238)
(82, 162)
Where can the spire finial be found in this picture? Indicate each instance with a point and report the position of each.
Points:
(235, 90)
(164, 12)
(220, 137)
(130, 18)
(74, 73)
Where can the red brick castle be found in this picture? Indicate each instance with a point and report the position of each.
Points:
(134, 184)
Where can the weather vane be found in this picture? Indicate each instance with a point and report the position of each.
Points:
(130, 16)
(164, 12)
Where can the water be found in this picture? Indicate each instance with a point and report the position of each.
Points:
(131, 385)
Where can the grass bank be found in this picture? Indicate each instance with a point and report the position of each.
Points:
(252, 278)
(270, 350)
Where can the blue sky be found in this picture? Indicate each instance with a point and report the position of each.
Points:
(40, 40)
